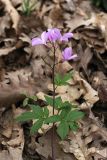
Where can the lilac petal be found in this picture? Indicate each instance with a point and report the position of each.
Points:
(36, 41)
(73, 56)
(66, 36)
(44, 37)
(68, 54)
(54, 34)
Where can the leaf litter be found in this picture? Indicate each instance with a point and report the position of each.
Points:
(23, 71)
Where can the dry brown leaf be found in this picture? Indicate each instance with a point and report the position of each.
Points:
(86, 57)
(90, 95)
(13, 13)
(76, 146)
(69, 6)
(79, 21)
(101, 23)
(4, 23)
(16, 142)
(88, 141)
(6, 51)
(93, 38)
(5, 155)
(13, 92)
(16, 3)
(56, 16)
(6, 121)
(13, 138)
(14, 75)
(44, 147)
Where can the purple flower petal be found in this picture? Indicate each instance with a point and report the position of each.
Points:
(68, 54)
(36, 41)
(54, 34)
(44, 37)
(66, 36)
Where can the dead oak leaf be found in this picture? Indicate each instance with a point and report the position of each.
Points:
(15, 143)
(43, 147)
(6, 51)
(13, 92)
(4, 24)
(90, 95)
(76, 146)
(13, 13)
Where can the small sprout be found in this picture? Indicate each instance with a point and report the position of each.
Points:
(28, 6)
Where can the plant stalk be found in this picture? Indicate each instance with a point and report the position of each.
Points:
(53, 82)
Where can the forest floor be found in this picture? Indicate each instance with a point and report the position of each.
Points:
(22, 71)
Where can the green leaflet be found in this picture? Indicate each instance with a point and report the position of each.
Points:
(62, 80)
(25, 116)
(52, 119)
(63, 130)
(73, 126)
(74, 115)
(38, 111)
(46, 112)
(37, 125)
(58, 101)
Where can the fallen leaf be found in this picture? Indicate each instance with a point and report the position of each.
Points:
(44, 147)
(13, 13)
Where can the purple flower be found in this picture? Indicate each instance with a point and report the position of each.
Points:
(66, 36)
(42, 40)
(53, 34)
(68, 54)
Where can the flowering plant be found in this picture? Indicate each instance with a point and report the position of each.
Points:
(68, 115)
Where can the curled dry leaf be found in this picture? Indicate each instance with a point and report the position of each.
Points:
(90, 95)
(88, 141)
(13, 92)
(75, 146)
(56, 16)
(14, 75)
(44, 147)
(6, 122)
(16, 142)
(6, 51)
(85, 58)
(93, 38)
(13, 13)
(79, 21)
(5, 155)
(4, 23)
(16, 3)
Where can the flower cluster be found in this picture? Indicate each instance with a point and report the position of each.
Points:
(53, 35)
